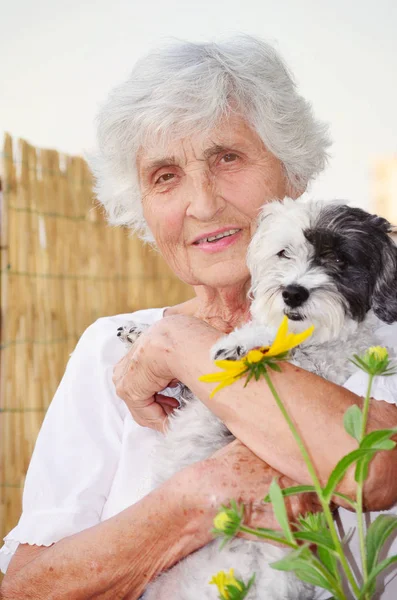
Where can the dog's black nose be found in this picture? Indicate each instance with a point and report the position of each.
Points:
(295, 295)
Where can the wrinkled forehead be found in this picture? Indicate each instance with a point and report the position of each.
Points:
(170, 147)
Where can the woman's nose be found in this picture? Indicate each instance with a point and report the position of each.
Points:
(204, 200)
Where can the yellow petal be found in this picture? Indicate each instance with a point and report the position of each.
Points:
(301, 337)
(289, 341)
(231, 580)
(279, 340)
(219, 580)
(231, 365)
(213, 377)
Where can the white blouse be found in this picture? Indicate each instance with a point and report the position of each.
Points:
(91, 460)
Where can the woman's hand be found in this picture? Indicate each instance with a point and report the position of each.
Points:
(148, 367)
(234, 472)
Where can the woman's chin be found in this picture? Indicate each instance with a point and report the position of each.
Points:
(221, 275)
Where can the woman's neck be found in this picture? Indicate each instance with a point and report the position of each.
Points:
(222, 308)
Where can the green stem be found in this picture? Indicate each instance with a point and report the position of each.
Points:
(338, 591)
(317, 485)
(316, 563)
(366, 407)
(360, 487)
(266, 536)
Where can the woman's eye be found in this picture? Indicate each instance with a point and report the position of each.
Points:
(229, 157)
(282, 254)
(164, 178)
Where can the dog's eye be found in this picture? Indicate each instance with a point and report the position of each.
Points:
(330, 256)
(282, 254)
(340, 260)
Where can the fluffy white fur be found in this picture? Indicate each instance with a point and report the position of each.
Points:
(282, 225)
(195, 433)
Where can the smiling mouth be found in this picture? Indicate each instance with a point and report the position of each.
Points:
(214, 238)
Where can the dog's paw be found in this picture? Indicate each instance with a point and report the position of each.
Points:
(227, 348)
(129, 334)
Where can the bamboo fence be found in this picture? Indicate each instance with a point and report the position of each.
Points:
(62, 267)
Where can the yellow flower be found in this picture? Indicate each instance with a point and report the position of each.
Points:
(221, 520)
(285, 341)
(256, 355)
(234, 369)
(222, 579)
(378, 352)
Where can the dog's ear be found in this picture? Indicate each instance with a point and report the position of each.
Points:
(384, 299)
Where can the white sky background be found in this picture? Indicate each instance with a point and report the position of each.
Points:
(58, 60)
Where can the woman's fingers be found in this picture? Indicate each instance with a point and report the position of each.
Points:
(139, 377)
(149, 367)
(166, 401)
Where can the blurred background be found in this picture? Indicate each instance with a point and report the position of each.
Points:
(61, 266)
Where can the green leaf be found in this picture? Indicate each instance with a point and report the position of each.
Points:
(374, 574)
(291, 491)
(249, 377)
(316, 537)
(310, 574)
(352, 421)
(274, 366)
(386, 445)
(280, 511)
(346, 499)
(361, 472)
(233, 593)
(359, 363)
(303, 564)
(329, 560)
(313, 522)
(339, 471)
(319, 534)
(375, 439)
(377, 534)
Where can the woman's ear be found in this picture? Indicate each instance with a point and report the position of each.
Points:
(294, 190)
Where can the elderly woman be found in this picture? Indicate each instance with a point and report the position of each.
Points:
(190, 147)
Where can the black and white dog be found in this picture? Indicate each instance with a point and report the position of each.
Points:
(325, 264)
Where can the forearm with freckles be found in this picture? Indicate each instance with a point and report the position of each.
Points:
(315, 405)
(117, 558)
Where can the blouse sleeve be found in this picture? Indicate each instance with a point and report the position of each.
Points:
(77, 450)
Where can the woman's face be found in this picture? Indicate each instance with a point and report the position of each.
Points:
(203, 186)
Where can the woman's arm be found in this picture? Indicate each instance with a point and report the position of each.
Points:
(317, 407)
(118, 557)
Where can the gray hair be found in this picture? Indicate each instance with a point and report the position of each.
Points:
(186, 87)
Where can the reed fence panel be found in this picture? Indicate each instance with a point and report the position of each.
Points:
(62, 267)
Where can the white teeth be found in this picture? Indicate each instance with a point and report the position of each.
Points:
(220, 235)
